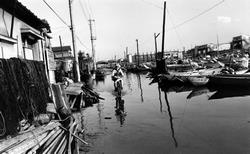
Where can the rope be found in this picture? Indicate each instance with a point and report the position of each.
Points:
(4, 126)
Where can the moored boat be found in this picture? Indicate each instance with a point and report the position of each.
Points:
(230, 79)
(198, 80)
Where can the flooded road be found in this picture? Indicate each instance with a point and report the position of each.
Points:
(168, 120)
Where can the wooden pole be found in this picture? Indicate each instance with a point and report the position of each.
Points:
(155, 38)
(163, 31)
(76, 64)
(137, 49)
(92, 38)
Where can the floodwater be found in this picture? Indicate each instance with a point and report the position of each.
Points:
(176, 120)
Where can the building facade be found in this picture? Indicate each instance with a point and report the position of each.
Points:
(24, 35)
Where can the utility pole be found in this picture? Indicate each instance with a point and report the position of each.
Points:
(76, 64)
(218, 45)
(127, 57)
(60, 42)
(92, 38)
(155, 38)
(137, 48)
(163, 31)
(126, 51)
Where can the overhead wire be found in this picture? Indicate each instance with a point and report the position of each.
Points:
(175, 29)
(63, 22)
(81, 42)
(87, 8)
(90, 8)
(56, 13)
(198, 15)
(83, 10)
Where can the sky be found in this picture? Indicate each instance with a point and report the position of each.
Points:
(118, 23)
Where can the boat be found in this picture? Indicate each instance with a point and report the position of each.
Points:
(99, 74)
(230, 79)
(198, 80)
(196, 77)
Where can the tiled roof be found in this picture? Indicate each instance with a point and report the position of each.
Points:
(24, 14)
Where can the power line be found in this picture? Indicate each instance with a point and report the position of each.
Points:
(187, 20)
(81, 42)
(56, 13)
(64, 22)
(90, 8)
(198, 15)
(87, 8)
(84, 13)
(152, 4)
(173, 24)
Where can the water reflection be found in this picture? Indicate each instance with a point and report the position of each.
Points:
(197, 91)
(159, 92)
(139, 85)
(128, 80)
(229, 92)
(120, 110)
(170, 119)
(212, 92)
(166, 89)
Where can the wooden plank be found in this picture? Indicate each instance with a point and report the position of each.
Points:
(55, 143)
(51, 139)
(26, 145)
(5, 144)
(33, 150)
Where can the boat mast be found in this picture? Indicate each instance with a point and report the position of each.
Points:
(137, 48)
(163, 31)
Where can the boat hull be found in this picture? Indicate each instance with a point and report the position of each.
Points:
(230, 79)
(198, 80)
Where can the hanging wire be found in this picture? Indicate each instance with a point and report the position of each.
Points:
(83, 10)
(198, 15)
(63, 22)
(56, 13)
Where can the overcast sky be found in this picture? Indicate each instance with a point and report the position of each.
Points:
(120, 22)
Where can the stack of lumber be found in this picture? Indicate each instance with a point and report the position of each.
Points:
(50, 138)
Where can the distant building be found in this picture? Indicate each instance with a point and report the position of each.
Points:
(241, 42)
(24, 35)
(63, 57)
(86, 63)
(201, 51)
(62, 53)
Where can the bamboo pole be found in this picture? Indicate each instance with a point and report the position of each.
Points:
(7, 144)
(26, 145)
(53, 143)
(33, 150)
(51, 139)
(75, 136)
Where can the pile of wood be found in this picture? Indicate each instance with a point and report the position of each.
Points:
(79, 95)
(50, 138)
